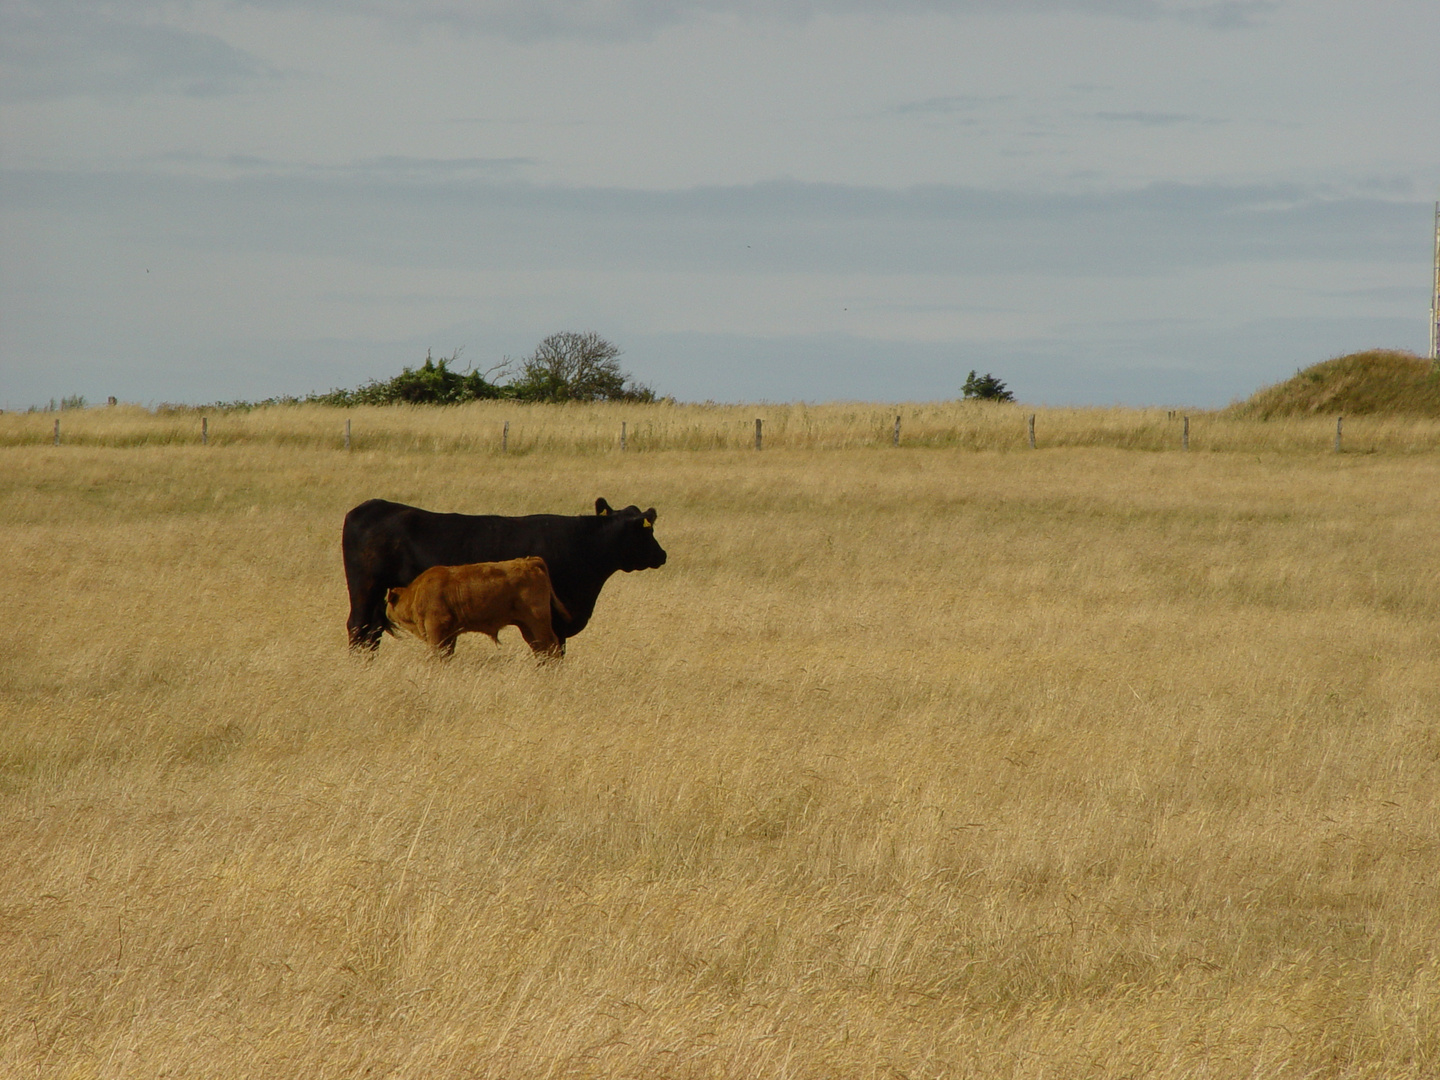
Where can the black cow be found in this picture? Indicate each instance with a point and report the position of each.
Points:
(387, 544)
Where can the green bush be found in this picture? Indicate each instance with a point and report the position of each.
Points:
(432, 383)
(986, 388)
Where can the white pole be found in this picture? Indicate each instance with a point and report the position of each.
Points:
(1435, 294)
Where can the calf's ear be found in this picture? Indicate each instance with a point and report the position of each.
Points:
(390, 595)
(602, 508)
(650, 515)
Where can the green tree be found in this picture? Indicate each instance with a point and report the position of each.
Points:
(570, 366)
(986, 388)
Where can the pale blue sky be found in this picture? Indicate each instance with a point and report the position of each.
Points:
(1135, 201)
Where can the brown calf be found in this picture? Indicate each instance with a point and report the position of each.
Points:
(447, 601)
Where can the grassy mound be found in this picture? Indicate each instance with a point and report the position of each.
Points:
(1380, 381)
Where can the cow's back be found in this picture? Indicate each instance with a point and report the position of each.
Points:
(405, 539)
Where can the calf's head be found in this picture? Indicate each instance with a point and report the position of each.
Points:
(397, 607)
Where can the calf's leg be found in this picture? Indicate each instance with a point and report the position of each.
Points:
(541, 639)
(441, 633)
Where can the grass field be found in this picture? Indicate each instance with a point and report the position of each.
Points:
(928, 762)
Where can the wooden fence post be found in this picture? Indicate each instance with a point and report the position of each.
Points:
(622, 436)
(1185, 435)
(57, 432)
(757, 432)
(204, 431)
(1032, 431)
(505, 438)
(347, 433)
(1339, 420)
(897, 431)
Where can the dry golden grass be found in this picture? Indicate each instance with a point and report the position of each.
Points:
(922, 763)
(478, 428)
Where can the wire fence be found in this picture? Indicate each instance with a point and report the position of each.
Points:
(508, 428)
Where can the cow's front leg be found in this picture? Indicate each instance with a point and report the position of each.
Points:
(364, 634)
(367, 622)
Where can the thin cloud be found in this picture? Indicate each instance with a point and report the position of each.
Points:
(420, 167)
(530, 20)
(465, 222)
(384, 168)
(1155, 119)
(60, 48)
(1227, 16)
(951, 105)
(64, 50)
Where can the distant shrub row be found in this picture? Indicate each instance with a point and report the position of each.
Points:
(74, 401)
(567, 366)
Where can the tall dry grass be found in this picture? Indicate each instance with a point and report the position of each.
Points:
(908, 763)
(479, 428)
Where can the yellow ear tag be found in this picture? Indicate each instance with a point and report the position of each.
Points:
(647, 523)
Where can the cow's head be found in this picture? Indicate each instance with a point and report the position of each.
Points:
(633, 532)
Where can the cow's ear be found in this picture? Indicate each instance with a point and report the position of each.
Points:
(602, 508)
(390, 595)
